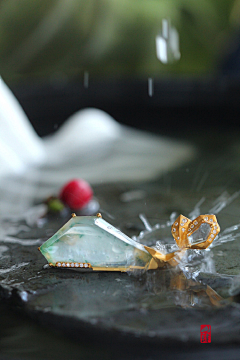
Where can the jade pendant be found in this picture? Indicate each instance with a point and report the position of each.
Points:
(91, 242)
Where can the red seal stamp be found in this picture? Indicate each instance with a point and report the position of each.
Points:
(205, 333)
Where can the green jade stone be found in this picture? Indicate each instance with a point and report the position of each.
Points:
(90, 239)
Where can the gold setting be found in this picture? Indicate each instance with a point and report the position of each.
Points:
(184, 227)
(121, 269)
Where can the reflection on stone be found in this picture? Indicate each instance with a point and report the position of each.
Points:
(200, 235)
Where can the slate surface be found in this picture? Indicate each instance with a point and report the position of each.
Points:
(139, 308)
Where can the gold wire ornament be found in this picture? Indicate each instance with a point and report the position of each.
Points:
(90, 243)
(190, 233)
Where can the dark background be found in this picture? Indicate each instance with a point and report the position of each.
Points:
(177, 107)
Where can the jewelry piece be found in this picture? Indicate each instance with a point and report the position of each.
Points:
(195, 234)
(91, 243)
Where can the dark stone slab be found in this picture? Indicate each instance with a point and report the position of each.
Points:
(131, 308)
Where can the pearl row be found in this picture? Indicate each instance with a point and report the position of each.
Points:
(72, 265)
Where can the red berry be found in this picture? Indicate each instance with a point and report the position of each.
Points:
(76, 194)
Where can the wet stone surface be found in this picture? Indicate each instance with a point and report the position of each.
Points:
(158, 306)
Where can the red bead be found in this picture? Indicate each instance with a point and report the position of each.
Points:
(76, 194)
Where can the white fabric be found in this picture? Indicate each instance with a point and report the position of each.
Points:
(91, 145)
(19, 144)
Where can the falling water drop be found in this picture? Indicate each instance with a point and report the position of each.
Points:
(167, 43)
(150, 87)
(86, 79)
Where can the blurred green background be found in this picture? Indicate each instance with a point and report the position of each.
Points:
(111, 38)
